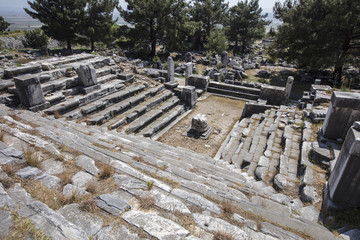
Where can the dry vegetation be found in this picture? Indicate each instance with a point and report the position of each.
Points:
(146, 202)
(222, 236)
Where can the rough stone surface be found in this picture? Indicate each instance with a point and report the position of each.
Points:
(87, 164)
(112, 204)
(87, 75)
(310, 213)
(70, 190)
(212, 224)
(80, 179)
(169, 203)
(53, 224)
(199, 123)
(114, 232)
(170, 71)
(12, 152)
(89, 223)
(5, 223)
(28, 172)
(30, 91)
(155, 225)
(52, 166)
(49, 181)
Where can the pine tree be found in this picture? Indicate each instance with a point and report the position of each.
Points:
(246, 23)
(61, 18)
(99, 20)
(148, 19)
(319, 34)
(209, 14)
(3, 24)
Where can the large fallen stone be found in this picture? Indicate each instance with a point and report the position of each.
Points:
(28, 172)
(155, 225)
(81, 178)
(53, 224)
(12, 152)
(87, 164)
(280, 181)
(51, 166)
(112, 204)
(49, 181)
(5, 223)
(310, 213)
(307, 194)
(91, 224)
(320, 152)
(87, 75)
(212, 224)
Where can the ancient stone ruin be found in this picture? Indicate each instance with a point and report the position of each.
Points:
(79, 157)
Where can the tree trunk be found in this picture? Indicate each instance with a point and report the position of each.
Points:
(92, 45)
(338, 71)
(68, 44)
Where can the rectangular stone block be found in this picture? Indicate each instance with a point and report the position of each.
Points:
(344, 180)
(29, 90)
(189, 95)
(87, 75)
(199, 81)
(273, 95)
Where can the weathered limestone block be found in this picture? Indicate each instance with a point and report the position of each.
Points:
(344, 179)
(188, 72)
(112, 204)
(288, 87)
(199, 123)
(273, 95)
(170, 70)
(344, 110)
(5, 223)
(87, 75)
(29, 90)
(199, 81)
(87, 164)
(13, 72)
(225, 58)
(189, 95)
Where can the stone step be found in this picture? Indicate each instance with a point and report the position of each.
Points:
(235, 88)
(155, 127)
(27, 69)
(69, 59)
(242, 95)
(59, 84)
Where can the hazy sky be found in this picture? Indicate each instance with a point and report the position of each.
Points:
(16, 5)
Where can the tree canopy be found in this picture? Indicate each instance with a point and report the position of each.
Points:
(319, 34)
(98, 20)
(246, 23)
(3, 24)
(61, 18)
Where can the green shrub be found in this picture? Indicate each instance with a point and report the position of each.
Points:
(36, 38)
(217, 41)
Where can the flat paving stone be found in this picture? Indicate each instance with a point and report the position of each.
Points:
(112, 204)
(49, 181)
(155, 225)
(81, 178)
(28, 172)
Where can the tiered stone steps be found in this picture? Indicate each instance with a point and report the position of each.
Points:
(180, 177)
(231, 90)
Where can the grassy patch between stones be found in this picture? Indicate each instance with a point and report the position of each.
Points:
(23, 228)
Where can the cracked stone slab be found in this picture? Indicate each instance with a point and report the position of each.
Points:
(19, 196)
(91, 224)
(212, 224)
(112, 204)
(70, 190)
(197, 200)
(155, 225)
(169, 203)
(6, 202)
(12, 152)
(28, 172)
(127, 182)
(114, 232)
(81, 178)
(49, 181)
(53, 224)
(5, 223)
(310, 213)
(88, 164)
(52, 166)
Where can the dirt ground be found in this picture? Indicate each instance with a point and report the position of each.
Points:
(221, 113)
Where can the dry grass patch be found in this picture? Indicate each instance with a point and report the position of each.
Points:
(23, 228)
(57, 114)
(7, 182)
(15, 117)
(88, 205)
(222, 236)
(146, 202)
(31, 157)
(11, 169)
(70, 150)
(185, 220)
(66, 177)
(106, 171)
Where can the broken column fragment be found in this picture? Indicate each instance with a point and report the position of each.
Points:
(170, 70)
(87, 75)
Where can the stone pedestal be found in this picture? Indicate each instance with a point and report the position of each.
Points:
(225, 58)
(170, 70)
(199, 81)
(344, 110)
(30, 91)
(199, 123)
(344, 180)
(188, 57)
(189, 95)
(288, 87)
(217, 77)
(87, 75)
(188, 72)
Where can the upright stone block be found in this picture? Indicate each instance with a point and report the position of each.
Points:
(288, 87)
(29, 89)
(189, 95)
(217, 77)
(87, 75)
(344, 179)
(171, 70)
(225, 58)
(188, 72)
(344, 110)
(188, 57)
(199, 81)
